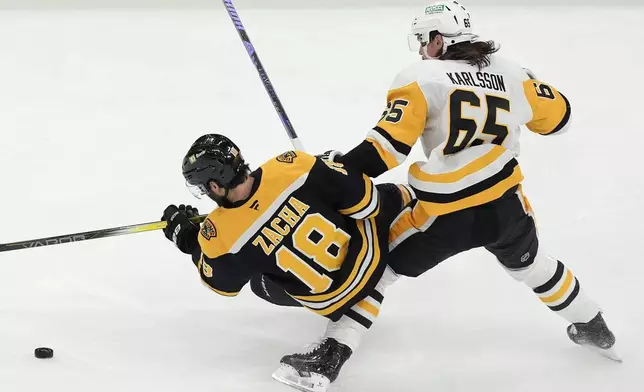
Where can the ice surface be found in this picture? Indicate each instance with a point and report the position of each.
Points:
(97, 109)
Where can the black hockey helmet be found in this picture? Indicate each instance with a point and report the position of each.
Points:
(213, 158)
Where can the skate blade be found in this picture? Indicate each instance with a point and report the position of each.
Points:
(606, 353)
(314, 383)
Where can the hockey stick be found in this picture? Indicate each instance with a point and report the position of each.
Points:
(140, 228)
(234, 16)
(90, 235)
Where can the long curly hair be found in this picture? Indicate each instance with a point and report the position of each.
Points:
(475, 53)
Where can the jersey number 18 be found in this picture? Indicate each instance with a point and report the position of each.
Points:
(320, 240)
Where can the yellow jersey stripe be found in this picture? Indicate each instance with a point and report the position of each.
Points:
(408, 223)
(366, 200)
(419, 217)
(374, 213)
(526, 202)
(406, 196)
(388, 158)
(401, 225)
(483, 197)
(457, 175)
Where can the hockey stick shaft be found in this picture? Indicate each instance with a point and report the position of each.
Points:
(90, 235)
(140, 228)
(234, 16)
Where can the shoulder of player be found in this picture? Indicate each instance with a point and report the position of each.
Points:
(291, 161)
(426, 71)
(509, 67)
(216, 236)
(208, 229)
(420, 71)
(210, 238)
(425, 74)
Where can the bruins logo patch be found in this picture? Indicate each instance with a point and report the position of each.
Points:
(287, 157)
(208, 230)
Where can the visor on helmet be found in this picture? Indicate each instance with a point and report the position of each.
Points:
(197, 190)
(415, 41)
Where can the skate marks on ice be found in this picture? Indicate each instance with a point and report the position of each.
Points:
(610, 353)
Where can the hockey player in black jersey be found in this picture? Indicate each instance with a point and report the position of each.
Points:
(304, 231)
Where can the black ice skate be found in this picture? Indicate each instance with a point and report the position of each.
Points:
(596, 336)
(315, 370)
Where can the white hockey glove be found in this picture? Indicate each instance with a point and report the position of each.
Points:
(531, 74)
(330, 155)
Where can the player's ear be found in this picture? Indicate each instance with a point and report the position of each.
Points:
(439, 41)
(214, 188)
(435, 46)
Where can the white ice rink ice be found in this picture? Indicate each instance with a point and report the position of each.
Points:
(98, 108)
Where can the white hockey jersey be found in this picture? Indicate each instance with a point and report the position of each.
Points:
(468, 121)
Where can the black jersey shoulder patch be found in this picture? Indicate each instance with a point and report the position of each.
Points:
(287, 157)
(208, 229)
(206, 269)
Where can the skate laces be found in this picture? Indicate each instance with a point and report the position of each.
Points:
(311, 347)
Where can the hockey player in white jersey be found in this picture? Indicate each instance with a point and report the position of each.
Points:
(467, 106)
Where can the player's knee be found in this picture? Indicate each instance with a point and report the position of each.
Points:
(391, 196)
(269, 291)
(389, 277)
(398, 195)
(412, 269)
(518, 250)
(538, 272)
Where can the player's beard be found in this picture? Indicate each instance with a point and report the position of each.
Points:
(425, 53)
(221, 201)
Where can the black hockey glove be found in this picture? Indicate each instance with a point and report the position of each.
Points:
(180, 229)
(330, 156)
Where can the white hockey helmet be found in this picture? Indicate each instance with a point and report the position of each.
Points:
(449, 18)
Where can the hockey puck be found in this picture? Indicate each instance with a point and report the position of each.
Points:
(43, 352)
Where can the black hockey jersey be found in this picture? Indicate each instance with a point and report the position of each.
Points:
(310, 225)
